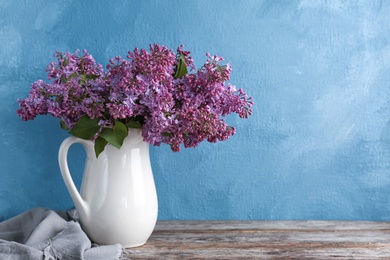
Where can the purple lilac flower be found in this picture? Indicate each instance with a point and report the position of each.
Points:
(142, 87)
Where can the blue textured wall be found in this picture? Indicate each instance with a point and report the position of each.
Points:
(316, 147)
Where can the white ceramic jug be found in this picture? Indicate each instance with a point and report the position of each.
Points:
(117, 202)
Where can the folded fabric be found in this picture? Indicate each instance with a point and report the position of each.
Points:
(45, 234)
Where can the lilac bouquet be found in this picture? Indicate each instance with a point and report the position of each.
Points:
(151, 90)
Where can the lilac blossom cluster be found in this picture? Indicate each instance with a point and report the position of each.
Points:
(151, 90)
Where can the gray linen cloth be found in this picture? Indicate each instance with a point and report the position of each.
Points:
(48, 235)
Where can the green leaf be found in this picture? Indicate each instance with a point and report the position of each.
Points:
(66, 61)
(165, 134)
(73, 75)
(63, 125)
(100, 144)
(116, 135)
(134, 124)
(181, 68)
(85, 128)
(92, 76)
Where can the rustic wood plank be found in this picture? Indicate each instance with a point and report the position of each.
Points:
(266, 240)
(261, 225)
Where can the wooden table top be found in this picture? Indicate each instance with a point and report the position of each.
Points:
(266, 240)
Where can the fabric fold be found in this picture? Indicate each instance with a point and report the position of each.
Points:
(45, 234)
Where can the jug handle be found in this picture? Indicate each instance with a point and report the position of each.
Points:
(81, 205)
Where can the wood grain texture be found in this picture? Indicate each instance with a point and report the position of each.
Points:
(266, 240)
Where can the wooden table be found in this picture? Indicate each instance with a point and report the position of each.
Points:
(266, 240)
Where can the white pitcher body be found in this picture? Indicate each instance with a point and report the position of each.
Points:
(117, 202)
